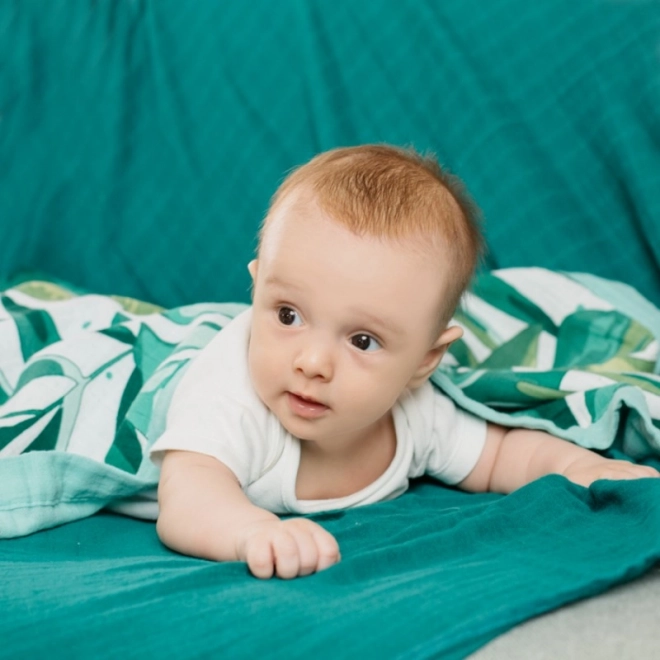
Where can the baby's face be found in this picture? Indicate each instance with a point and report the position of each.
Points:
(341, 324)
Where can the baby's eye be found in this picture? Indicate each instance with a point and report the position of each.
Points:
(365, 342)
(288, 316)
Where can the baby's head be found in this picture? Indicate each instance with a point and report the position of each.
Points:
(362, 259)
(395, 194)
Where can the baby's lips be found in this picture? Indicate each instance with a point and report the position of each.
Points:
(306, 408)
(309, 399)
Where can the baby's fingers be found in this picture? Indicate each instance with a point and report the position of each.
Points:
(327, 548)
(643, 471)
(308, 553)
(624, 470)
(273, 554)
(260, 558)
(286, 555)
(289, 549)
(316, 549)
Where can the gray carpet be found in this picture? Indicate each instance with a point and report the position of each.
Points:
(619, 624)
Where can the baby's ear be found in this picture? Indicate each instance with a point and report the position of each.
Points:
(434, 355)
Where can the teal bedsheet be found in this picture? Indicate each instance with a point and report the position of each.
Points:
(436, 573)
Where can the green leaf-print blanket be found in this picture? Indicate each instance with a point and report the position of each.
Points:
(86, 380)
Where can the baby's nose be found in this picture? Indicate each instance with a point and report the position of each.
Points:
(315, 360)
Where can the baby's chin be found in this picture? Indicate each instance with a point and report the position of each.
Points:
(291, 428)
(286, 424)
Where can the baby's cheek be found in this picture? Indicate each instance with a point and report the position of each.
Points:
(376, 395)
(263, 369)
(255, 365)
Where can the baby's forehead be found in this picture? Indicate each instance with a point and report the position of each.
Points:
(288, 261)
(300, 206)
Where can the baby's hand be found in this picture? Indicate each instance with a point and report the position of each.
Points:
(287, 548)
(586, 471)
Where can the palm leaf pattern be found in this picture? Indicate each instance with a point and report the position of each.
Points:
(541, 350)
(88, 358)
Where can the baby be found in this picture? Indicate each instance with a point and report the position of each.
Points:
(318, 396)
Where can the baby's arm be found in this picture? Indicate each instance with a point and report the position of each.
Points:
(204, 513)
(513, 457)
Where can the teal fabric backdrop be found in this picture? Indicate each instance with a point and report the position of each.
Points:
(140, 140)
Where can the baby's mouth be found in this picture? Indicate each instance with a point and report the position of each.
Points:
(305, 406)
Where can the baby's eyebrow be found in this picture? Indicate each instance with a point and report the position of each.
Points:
(274, 280)
(384, 325)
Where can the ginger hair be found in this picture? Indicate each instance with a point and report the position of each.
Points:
(398, 194)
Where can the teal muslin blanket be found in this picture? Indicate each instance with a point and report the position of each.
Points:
(85, 381)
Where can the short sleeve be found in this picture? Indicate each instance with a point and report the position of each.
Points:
(215, 426)
(457, 440)
(215, 411)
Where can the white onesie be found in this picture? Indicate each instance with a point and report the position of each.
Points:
(216, 411)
